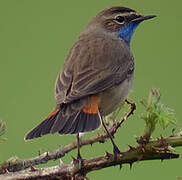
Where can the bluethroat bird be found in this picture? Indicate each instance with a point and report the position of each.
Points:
(96, 76)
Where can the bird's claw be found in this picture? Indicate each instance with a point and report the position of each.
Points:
(116, 151)
(80, 161)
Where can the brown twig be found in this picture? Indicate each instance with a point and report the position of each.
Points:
(151, 150)
(154, 150)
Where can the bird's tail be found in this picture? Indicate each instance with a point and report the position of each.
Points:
(84, 120)
(44, 127)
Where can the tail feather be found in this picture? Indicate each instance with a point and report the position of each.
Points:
(79, 121)
(78, 126)
(43, 128)
(71, 121)
(48, 126)
(96, 122)
(59, 123)
(82, 123)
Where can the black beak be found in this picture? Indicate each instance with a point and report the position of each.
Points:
(142, 18)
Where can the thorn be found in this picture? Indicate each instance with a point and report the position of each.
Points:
(140, 157)
(131, 148)
(141, 140)
(102, 141)
(60, 161)
(46, 154)
(163, 142)
(143, 149)
(108, 155)
(5, 171)
(121, 154)
(74, 160)
(131, 165)
(32, 169)
(112, 133)
(173, 132)
(124, 118)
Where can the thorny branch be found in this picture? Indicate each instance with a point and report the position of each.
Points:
(147, 149)
(156, 149)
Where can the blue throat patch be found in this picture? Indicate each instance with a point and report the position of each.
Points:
(127, 31)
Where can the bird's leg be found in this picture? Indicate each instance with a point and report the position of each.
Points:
(115, 148)
(78, 146)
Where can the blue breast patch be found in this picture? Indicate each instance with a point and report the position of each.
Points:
(127, 31)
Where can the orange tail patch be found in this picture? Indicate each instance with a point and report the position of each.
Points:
(92, 108)
(52, 113)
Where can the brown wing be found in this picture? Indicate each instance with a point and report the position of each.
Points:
(93, 65)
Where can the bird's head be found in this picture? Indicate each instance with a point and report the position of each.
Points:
(120, 20)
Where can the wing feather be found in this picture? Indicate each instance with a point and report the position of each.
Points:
(94, 65)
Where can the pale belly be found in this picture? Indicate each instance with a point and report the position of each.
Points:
(113, 97)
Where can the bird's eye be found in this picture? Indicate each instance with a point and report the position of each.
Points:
(120, 19)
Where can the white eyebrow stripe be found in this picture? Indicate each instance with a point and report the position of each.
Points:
(127, 14)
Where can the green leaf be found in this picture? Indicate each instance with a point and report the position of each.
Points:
(2, 128)
(156, 112)
(2, 131)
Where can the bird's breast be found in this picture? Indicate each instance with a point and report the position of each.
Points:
(112, 98)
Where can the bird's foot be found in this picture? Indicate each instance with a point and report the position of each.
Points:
(80, 160)
(116, 152)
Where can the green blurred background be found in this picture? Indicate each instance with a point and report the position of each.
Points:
(35, 36)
